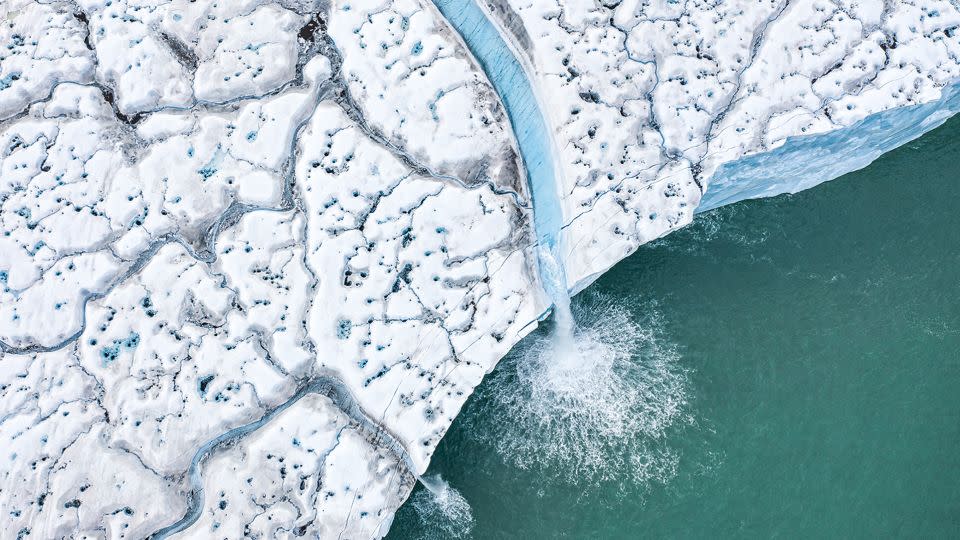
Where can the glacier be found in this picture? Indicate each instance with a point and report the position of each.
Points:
(257, 255)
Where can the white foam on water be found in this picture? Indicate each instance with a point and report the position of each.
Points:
(442, 510)
(590, 406)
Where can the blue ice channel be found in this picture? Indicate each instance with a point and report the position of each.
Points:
(511, 83)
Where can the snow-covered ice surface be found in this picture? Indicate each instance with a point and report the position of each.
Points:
(648, 100)
(256, 255)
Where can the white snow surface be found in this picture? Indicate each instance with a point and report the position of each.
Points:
(647, 99)
(256, 255)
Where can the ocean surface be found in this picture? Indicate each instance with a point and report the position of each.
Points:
(785, 367)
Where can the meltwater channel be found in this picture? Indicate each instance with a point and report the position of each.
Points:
(506, 74)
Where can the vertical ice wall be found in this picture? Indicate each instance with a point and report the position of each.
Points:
(807, 160)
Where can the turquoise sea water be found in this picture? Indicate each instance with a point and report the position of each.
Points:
(785, 367)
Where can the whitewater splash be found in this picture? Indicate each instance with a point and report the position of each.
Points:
(590, 402)
(442, 510)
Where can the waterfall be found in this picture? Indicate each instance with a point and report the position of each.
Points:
(555, 285)
(442, 510)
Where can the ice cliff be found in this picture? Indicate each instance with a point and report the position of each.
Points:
(256, 255)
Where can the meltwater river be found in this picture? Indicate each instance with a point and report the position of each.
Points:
(511, 83)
